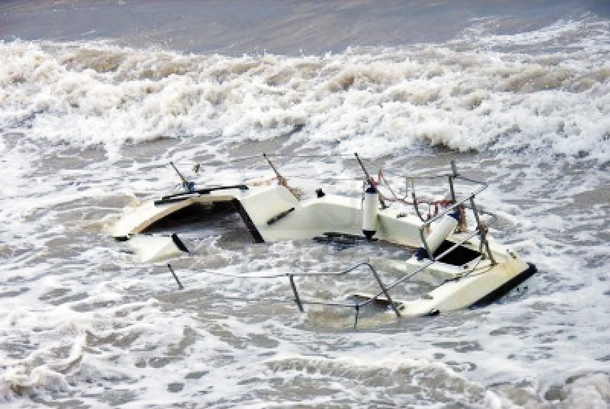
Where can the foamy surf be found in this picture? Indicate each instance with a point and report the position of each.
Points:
(392, 99)
(89, 127)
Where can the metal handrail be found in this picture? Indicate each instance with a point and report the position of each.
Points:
(447, 210)
(431, 260)
(384, 288)
(300, 302)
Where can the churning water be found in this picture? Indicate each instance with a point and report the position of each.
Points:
(96, 98)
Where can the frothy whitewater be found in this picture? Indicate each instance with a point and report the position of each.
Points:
(88, 128)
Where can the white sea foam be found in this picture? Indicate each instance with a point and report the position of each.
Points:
(381, 100)
(87, 128)
(585, 33)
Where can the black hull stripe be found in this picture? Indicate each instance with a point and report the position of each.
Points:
(256, 235)
(506, 287)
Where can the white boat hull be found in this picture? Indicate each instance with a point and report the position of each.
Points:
(272, 213)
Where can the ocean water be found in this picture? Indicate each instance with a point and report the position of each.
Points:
(97, 97)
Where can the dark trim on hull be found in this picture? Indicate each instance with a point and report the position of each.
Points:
(506, 287)
(179, 243)
(176, 197)
(256, 235)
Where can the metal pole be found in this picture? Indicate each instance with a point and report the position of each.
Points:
(451, 178)
(357, 307)
(385, 291)
(190, 186)
(481, 230)
(281, 179)
(180, 287)
(296, 293)
(422, 235)
(370, 180)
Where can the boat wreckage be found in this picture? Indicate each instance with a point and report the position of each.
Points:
(465, 266)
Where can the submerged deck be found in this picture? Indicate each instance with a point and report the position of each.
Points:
(466, 266)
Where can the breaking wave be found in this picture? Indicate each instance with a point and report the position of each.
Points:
(466, 95)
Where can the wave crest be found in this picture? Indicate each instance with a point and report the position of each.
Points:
(380, 99)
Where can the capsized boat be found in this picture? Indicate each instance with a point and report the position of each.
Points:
(466, 267)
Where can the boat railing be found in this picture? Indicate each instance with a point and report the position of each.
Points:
(467, 202)
(301, 301)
